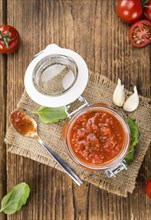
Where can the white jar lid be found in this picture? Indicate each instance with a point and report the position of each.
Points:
(56, 77)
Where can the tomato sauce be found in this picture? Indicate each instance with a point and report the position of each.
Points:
(96, 137)
(22, 123)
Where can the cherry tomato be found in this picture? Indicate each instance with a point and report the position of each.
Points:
(148, 188)
(147, 10)
(140, 33)
(9, 39)
(129, 11)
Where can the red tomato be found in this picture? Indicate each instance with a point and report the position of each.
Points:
(140, 33)
(148, 188)
(9, 39)
(147, 10)
(129, 11)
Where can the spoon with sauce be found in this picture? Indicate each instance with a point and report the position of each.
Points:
(27, 126)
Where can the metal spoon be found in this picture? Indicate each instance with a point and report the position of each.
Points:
(27, 126)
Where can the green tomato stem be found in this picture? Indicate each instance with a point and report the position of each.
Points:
(6, 39)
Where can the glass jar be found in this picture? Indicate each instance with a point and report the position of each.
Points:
(57, 77)
(97, 138)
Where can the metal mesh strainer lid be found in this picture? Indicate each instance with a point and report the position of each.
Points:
(56, 77)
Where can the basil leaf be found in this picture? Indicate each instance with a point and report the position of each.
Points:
(15, 199)
(134, 133)
(51, 115)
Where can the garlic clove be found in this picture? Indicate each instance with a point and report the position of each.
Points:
(132, 102)
(119, 94)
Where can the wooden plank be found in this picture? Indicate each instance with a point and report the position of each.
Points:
(92, 29)
(3, 72)
(51, 196)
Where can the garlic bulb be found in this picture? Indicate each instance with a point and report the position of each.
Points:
(132, 102)
(119, 94)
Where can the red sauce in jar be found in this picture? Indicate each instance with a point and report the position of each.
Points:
(96, 137)
(22, 123)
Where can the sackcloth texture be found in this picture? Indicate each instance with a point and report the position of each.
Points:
(99, 89)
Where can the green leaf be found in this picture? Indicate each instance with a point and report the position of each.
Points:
(15, 199)
(134, 133)
(51, 115)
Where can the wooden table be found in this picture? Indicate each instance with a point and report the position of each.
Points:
(92, 29)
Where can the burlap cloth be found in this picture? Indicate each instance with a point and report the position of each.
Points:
(99, 89)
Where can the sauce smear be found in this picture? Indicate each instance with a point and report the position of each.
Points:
(22, 123)
(96, 137)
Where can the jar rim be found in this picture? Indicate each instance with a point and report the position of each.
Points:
(46, 77)
(114, 161)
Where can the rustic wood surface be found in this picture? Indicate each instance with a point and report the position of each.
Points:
(91, 28)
